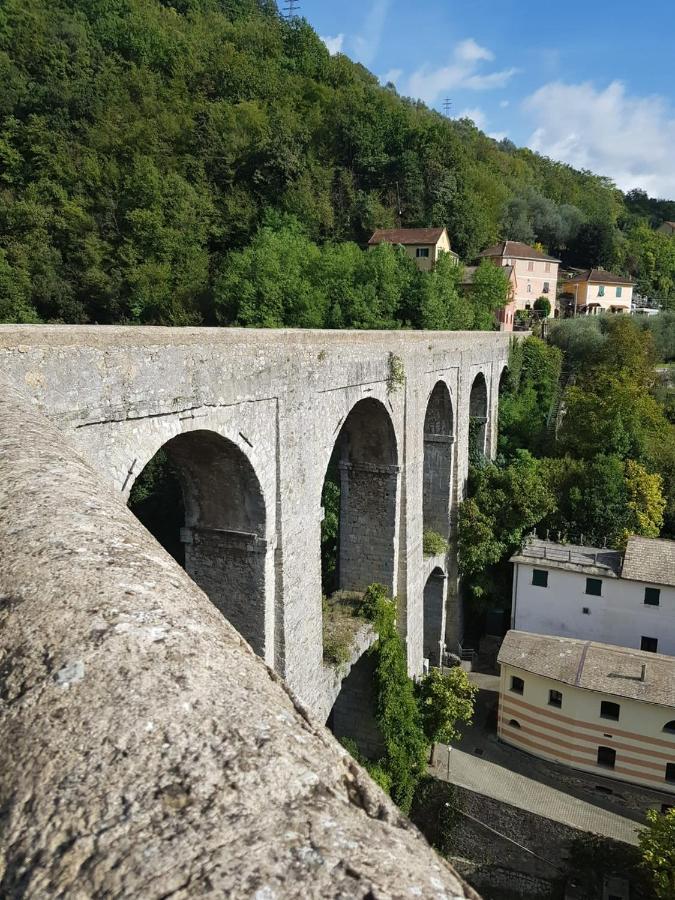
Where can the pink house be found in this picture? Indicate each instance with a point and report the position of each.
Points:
(535, 273)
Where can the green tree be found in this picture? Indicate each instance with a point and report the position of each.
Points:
(445, 700)
(504, 504)
(657, 845)
(528, 403)
(543, 305)
(489, 294)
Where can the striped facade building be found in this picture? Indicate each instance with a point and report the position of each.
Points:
(601, 709)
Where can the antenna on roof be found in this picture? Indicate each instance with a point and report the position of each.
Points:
(447, 107)
(291, 8)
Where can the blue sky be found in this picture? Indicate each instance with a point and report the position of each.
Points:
(590, 83)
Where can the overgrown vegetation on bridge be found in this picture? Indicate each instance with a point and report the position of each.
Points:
(411, 718)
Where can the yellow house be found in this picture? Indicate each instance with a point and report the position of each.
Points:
(602, 709)
(424, 245)
(597, 291)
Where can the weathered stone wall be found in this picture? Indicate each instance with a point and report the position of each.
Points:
(147, 752)
(280, 398)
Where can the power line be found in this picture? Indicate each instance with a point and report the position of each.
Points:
(291, 8)
(447, 106)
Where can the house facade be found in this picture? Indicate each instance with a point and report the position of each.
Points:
(535, 273)
(605, 710)
(506, 315)
(597, 291)
(424, 245)
(595, 594)
(667, 228)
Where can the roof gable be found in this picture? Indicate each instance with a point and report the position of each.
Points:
(517, 250)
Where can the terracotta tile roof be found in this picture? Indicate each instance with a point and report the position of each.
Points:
(517, 250)
(600, 276)
(651, 560)
(406, 236)
(593, 667)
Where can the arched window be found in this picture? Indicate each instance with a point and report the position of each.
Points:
(514, 723)
(669, 727)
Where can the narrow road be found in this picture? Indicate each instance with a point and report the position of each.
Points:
(492, 780)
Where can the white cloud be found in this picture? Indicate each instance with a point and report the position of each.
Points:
(476, 115)
(334, 44)
(461, 72)
(630, 139)
(470, 51)
(504, 104)
(366, 44)
(392, 75)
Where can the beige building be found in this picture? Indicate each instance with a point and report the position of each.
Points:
(605, 710)
(424, 245)
(667, 228)
(535, 273)
(597, 291)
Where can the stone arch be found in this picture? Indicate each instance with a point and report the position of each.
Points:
(438, 454)
(223, 529)
(353, 714)
(478, 414)
(434, 605)
(365, 463)
(503, 379)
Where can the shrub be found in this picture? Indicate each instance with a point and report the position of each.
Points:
(543, 305)
(433, 543)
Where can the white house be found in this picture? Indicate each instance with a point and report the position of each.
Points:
(605, 710)
(595, 594)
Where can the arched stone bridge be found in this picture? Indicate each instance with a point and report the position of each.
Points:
(250, 420)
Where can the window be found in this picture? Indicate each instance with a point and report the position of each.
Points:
(601, 291)
(546, 287)
(517, 684)
(540, 577)
(649, 644)
(669, 727)
(606, 757)
(530, 266)
(609, 710)
(514, 723)
(555, 699)
(670, 772)
(529, 289)
(652, 596)
(422, 253)
(618, 292)
(548, 267)
(586, 610)
(594, 586)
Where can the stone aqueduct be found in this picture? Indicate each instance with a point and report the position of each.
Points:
(250, 420)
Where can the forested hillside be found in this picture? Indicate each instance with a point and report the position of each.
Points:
(145, 143)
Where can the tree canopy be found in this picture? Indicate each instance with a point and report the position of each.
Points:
(144, 145)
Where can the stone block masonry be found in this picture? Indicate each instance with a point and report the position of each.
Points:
(147, 752)
(264, 411)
